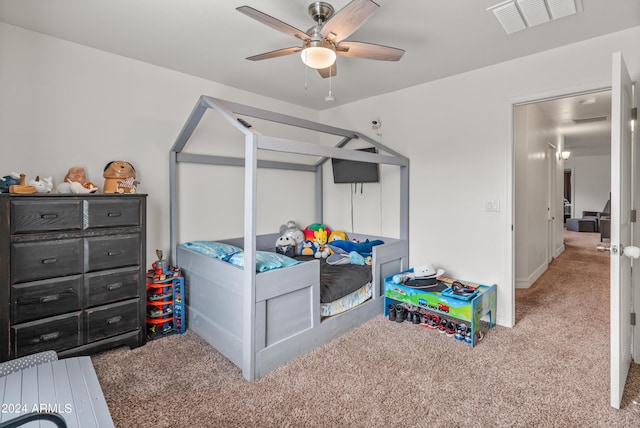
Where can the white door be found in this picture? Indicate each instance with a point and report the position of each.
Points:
(621, 303)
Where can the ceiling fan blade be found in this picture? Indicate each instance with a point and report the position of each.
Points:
(369, 51)
(329, 71)
(348, 19)
(273, 22)
(276, 53)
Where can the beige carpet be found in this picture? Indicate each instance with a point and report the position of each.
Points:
(551, 369)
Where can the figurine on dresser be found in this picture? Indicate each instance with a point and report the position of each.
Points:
(119, 177)
(76, 182)
(8, 181)
(42, 185)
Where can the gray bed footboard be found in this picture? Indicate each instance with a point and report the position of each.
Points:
(287, 305)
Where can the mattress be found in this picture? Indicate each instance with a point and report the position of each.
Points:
(347, 302)
(338, 281)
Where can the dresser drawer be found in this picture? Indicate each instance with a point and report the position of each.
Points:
(57, 333)
(115, 212)
(112, 252)
(41, 299)
(45, 259)
(110, 320)
(111, 286)
(45, 215)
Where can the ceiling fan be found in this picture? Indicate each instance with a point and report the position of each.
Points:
(326, 38)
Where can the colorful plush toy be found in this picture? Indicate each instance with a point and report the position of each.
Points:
(308, 248)
(338, 235)
(309, 231)
(320, 238)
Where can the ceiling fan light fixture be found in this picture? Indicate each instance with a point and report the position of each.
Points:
(318, 57)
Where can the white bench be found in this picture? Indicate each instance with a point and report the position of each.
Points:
(68, 387)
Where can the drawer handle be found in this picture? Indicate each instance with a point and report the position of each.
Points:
(114, 320)
(48, 299)
(49, 261)
(49, 216)
(49, 336)
(114, 286)
(114, 253)
(115, 214)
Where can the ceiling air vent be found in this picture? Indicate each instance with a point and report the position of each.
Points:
(509, 17)
(560, 8)
(534, 12)
(516, 15)
(590, 120)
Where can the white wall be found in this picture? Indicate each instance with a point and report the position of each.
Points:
(63, 104)
(457, 132)
(592, 182)
(533, 132)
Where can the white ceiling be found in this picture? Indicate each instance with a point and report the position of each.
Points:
(210, 39)
(591, 136)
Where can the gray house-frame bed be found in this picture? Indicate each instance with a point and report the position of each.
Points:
(262, 320)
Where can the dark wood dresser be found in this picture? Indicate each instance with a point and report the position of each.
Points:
(72, 273)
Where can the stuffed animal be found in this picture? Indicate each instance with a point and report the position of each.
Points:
(291, 230)
(119, 177)
(319, 234)
(309, 231)
(338, 235)
(320, 239)
(286, 245)
(308, 248)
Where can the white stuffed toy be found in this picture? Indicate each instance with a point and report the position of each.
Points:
(286, 245)
(292, 231)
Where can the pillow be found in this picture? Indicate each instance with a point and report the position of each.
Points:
(265, 260)
(216, 250)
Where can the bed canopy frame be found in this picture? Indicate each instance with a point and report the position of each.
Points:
(254, 141)
(233, 114)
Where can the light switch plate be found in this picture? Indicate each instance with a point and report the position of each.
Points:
(493, 205)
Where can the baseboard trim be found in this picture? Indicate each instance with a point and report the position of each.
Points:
(528, 282)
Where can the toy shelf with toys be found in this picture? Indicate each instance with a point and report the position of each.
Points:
(450, 306)
(165, 300)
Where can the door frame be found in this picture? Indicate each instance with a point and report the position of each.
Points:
(509, 315)
(552, 211)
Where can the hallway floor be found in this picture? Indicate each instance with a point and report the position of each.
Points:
(574, 294)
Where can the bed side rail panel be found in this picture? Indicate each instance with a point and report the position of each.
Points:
(388, 259)
(287, 302)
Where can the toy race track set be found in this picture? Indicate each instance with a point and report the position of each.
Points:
(165, 300)
(453, 307)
